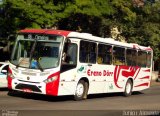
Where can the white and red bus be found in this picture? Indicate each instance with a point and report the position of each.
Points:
(56, 62)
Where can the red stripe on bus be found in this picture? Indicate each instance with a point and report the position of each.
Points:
(52, 87)
(146, 77)
(148, 70)
(125, 71)
(9, 79)
(143, 84)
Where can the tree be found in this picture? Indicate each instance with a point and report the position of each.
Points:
(138, 22)
(147, 26)
(86, 16)
(20, 14)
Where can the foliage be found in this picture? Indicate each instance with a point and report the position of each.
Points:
(138, 24)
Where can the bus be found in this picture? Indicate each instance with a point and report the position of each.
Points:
(59, 62)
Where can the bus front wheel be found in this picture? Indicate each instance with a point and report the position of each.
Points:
(128, 88)
(81, 90)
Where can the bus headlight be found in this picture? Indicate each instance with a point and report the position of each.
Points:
(51, 79)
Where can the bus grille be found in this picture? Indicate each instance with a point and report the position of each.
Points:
(31, 87)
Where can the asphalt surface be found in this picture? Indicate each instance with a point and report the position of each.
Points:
(144, 103)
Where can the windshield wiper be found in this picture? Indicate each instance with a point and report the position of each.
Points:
(36, 58)
(32, 51)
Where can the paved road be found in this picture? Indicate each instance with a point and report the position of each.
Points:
(106, 104)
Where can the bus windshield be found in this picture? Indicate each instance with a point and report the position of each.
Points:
(37, 51)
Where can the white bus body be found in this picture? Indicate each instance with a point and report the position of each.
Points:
(95, 65)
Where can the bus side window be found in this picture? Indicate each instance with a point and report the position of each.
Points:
(108, 57)
(142, 58)
(131, 57)
(118, 55)
(87, 52)
(149, 59)
(83, 52)
(104, 54)
(83, 56)
(134, 57)
(64, 54)
(69, 55)
(92, 57)
(72, 54)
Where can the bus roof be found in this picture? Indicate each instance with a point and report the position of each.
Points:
(111, 41)
(86, 36)
(46, 31)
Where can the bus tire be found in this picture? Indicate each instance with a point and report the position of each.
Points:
(11, 92)
(128, 88)
(81, 90)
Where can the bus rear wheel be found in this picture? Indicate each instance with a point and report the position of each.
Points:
(81, 90)
(128, 88)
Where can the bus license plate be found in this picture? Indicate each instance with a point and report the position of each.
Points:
(27, 90)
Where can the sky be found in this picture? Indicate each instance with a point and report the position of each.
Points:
(0, 1)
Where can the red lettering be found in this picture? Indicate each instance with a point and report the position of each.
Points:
(104, 73)
(94, 73)
(88, 72)
(107, 73)
(99, 73)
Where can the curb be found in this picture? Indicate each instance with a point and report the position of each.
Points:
(154, 83)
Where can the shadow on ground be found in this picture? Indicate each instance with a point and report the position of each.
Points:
(63, 98)
(3, 89)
